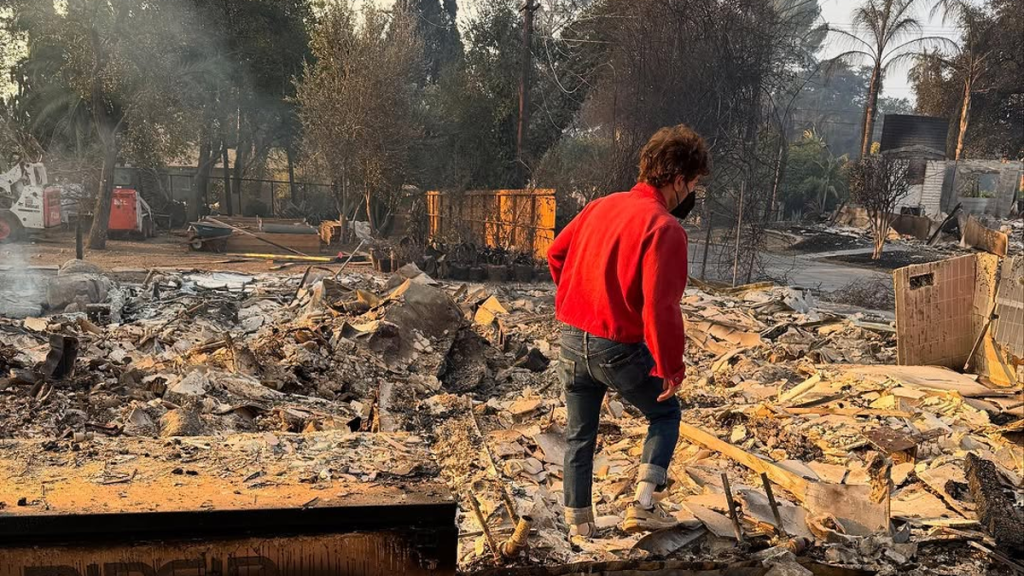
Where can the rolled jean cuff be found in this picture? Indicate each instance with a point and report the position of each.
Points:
(577, 516)
(653, 474)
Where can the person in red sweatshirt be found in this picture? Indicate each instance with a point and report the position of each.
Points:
(620, 269)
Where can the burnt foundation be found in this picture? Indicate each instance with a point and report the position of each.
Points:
(231, 506)
(370, 540)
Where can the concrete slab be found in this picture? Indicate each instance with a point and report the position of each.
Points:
(802, 270)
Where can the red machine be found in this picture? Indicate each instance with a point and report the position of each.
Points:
(130, 214)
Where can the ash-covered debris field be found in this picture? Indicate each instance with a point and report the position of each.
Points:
(364, 383)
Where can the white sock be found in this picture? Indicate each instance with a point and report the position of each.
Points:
(645, 493)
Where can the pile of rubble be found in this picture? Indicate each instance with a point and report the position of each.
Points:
(801, 438)
(959, 234)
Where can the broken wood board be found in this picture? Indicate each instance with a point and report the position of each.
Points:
(723, 360)
(800, 389)
(711, 500)
(259, 223)
(831, 473)
(705, 342)
(851, 505)
(922, 377)
(489, 311)
(305, 243)
(733, 335)
(977, 235)
(916, 502)
(939, 479)
(788, 480)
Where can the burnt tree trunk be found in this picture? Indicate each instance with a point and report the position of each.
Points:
(291, 173)
(965, 116)
(105, 194)
(107, 128)
(227, 180)
(200, 184)
(241, 159)
(369, 211)
(772, 213)
(869, 109)
(880, 226)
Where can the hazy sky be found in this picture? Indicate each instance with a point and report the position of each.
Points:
(837, 13)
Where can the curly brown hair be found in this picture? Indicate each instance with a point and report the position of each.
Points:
(674, 151)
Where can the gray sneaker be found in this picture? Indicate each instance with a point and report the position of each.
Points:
(640, 519)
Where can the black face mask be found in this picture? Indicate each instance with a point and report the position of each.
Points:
(686, 206)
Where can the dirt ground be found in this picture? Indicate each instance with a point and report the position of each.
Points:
(889, 260)
(167, 250)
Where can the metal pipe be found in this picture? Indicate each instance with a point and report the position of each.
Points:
(483, 525)
(775, 506)
(732, 509)
(519, 539)
(350, 257)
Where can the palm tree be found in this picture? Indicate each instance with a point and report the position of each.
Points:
(972, 59)
(885, 33)
(829, 179)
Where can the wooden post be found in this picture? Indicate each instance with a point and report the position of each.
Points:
(739, 229)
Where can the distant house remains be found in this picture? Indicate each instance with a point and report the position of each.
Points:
(983, 187)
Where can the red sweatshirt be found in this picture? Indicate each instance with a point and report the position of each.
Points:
(620, 269)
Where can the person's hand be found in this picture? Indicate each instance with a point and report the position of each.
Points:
(668, 390)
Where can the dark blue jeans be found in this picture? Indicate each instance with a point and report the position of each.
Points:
(590, 365)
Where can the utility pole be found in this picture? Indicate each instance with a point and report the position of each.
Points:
(524, 88)
(227, 179)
